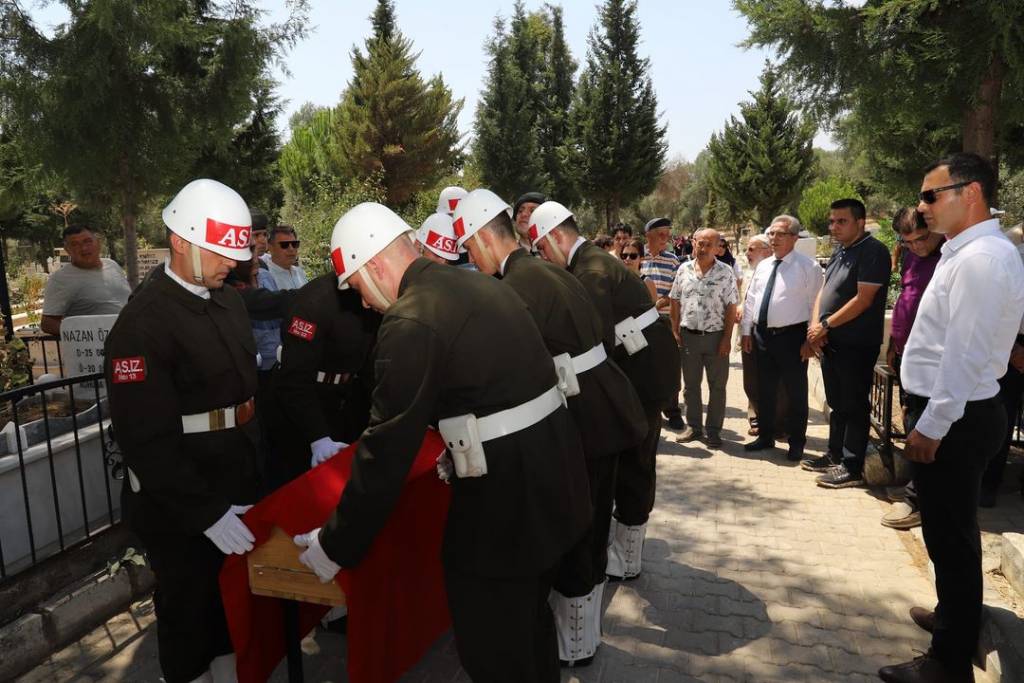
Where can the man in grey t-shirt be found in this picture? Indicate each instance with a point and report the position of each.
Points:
(89, 285)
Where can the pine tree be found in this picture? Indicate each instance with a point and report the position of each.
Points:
(507, 148)
(248, 163)
(392, 121)
(553, 129)
(760, 164)
(619, 143)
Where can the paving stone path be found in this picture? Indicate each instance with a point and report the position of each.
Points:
(751, 573)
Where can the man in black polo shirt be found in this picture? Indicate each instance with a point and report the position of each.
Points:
(847, 330)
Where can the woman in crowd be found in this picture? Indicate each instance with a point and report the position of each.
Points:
(631, 254)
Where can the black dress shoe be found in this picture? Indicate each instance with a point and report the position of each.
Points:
(676, 422)
(924, 618)
(925, 669)
(759, 444)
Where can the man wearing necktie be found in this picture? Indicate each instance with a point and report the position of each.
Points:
(782, 294)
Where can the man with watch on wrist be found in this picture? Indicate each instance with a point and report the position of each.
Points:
(847, 334)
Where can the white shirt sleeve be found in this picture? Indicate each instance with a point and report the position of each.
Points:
(754, 288)
(968, 345)
(815, 279)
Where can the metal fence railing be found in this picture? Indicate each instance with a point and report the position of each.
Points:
(883, 390)
(60, 473)
(44, 351)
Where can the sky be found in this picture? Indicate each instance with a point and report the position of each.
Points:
(699, 71)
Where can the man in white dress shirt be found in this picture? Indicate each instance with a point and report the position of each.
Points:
(282, 258)
(777, 308)
(957, 350)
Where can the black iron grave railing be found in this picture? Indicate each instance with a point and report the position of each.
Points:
(60, 473)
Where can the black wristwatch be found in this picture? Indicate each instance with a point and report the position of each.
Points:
(824, 323)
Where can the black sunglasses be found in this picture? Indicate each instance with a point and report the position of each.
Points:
(630, 257)
(928, 196)
(289, 244)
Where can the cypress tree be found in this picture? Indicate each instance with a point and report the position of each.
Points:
(553, 129)
(507, 145)
(760, 164)
(619, 143)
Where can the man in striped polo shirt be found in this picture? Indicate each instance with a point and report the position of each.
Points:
(659, 265)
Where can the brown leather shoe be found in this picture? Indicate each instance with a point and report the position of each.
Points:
(924, 618)
(924, 669)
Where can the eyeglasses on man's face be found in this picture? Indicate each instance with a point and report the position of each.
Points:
(929, 196)
(289, 244)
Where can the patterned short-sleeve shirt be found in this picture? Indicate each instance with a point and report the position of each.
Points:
(703, 299)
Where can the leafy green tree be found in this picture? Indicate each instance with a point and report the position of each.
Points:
(392, 121)
(759, 164)
(919, 77)
(814, 204)
(312, 157)
(314, 216)
(619, 145)
(123, 98)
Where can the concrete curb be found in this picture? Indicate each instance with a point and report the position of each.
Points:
(1012, 561)
(67, 616)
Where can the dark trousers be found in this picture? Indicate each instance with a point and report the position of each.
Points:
(752, 389)
(583, 567)
(191, 629)
(848, 372)
(1010, 386)
(504, 629)
(778, 362)
(637, 474)
(947, 493)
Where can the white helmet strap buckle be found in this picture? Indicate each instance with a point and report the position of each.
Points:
(197, 263)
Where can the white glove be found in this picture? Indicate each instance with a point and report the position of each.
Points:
(230, 534)
(445, 467)
(324, 449)
(314, 556)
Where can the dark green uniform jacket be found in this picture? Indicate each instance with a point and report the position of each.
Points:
(617, 293)
(326, 330)
(172, 353)
(607, 410)
(453, 343)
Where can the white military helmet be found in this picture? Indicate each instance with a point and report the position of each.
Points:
(437, 235)
(546, 218)
(449, 199)
(212, 216)
(474, 212)
(361, 233)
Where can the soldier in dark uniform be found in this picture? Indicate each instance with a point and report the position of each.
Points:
(454, 344)
(606, 409)
(181, 374)
(321, 393)
(645, 350)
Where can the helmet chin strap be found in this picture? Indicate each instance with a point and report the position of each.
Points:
(554, 245)
(372, 288)
(197, 264)
(486, 252)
